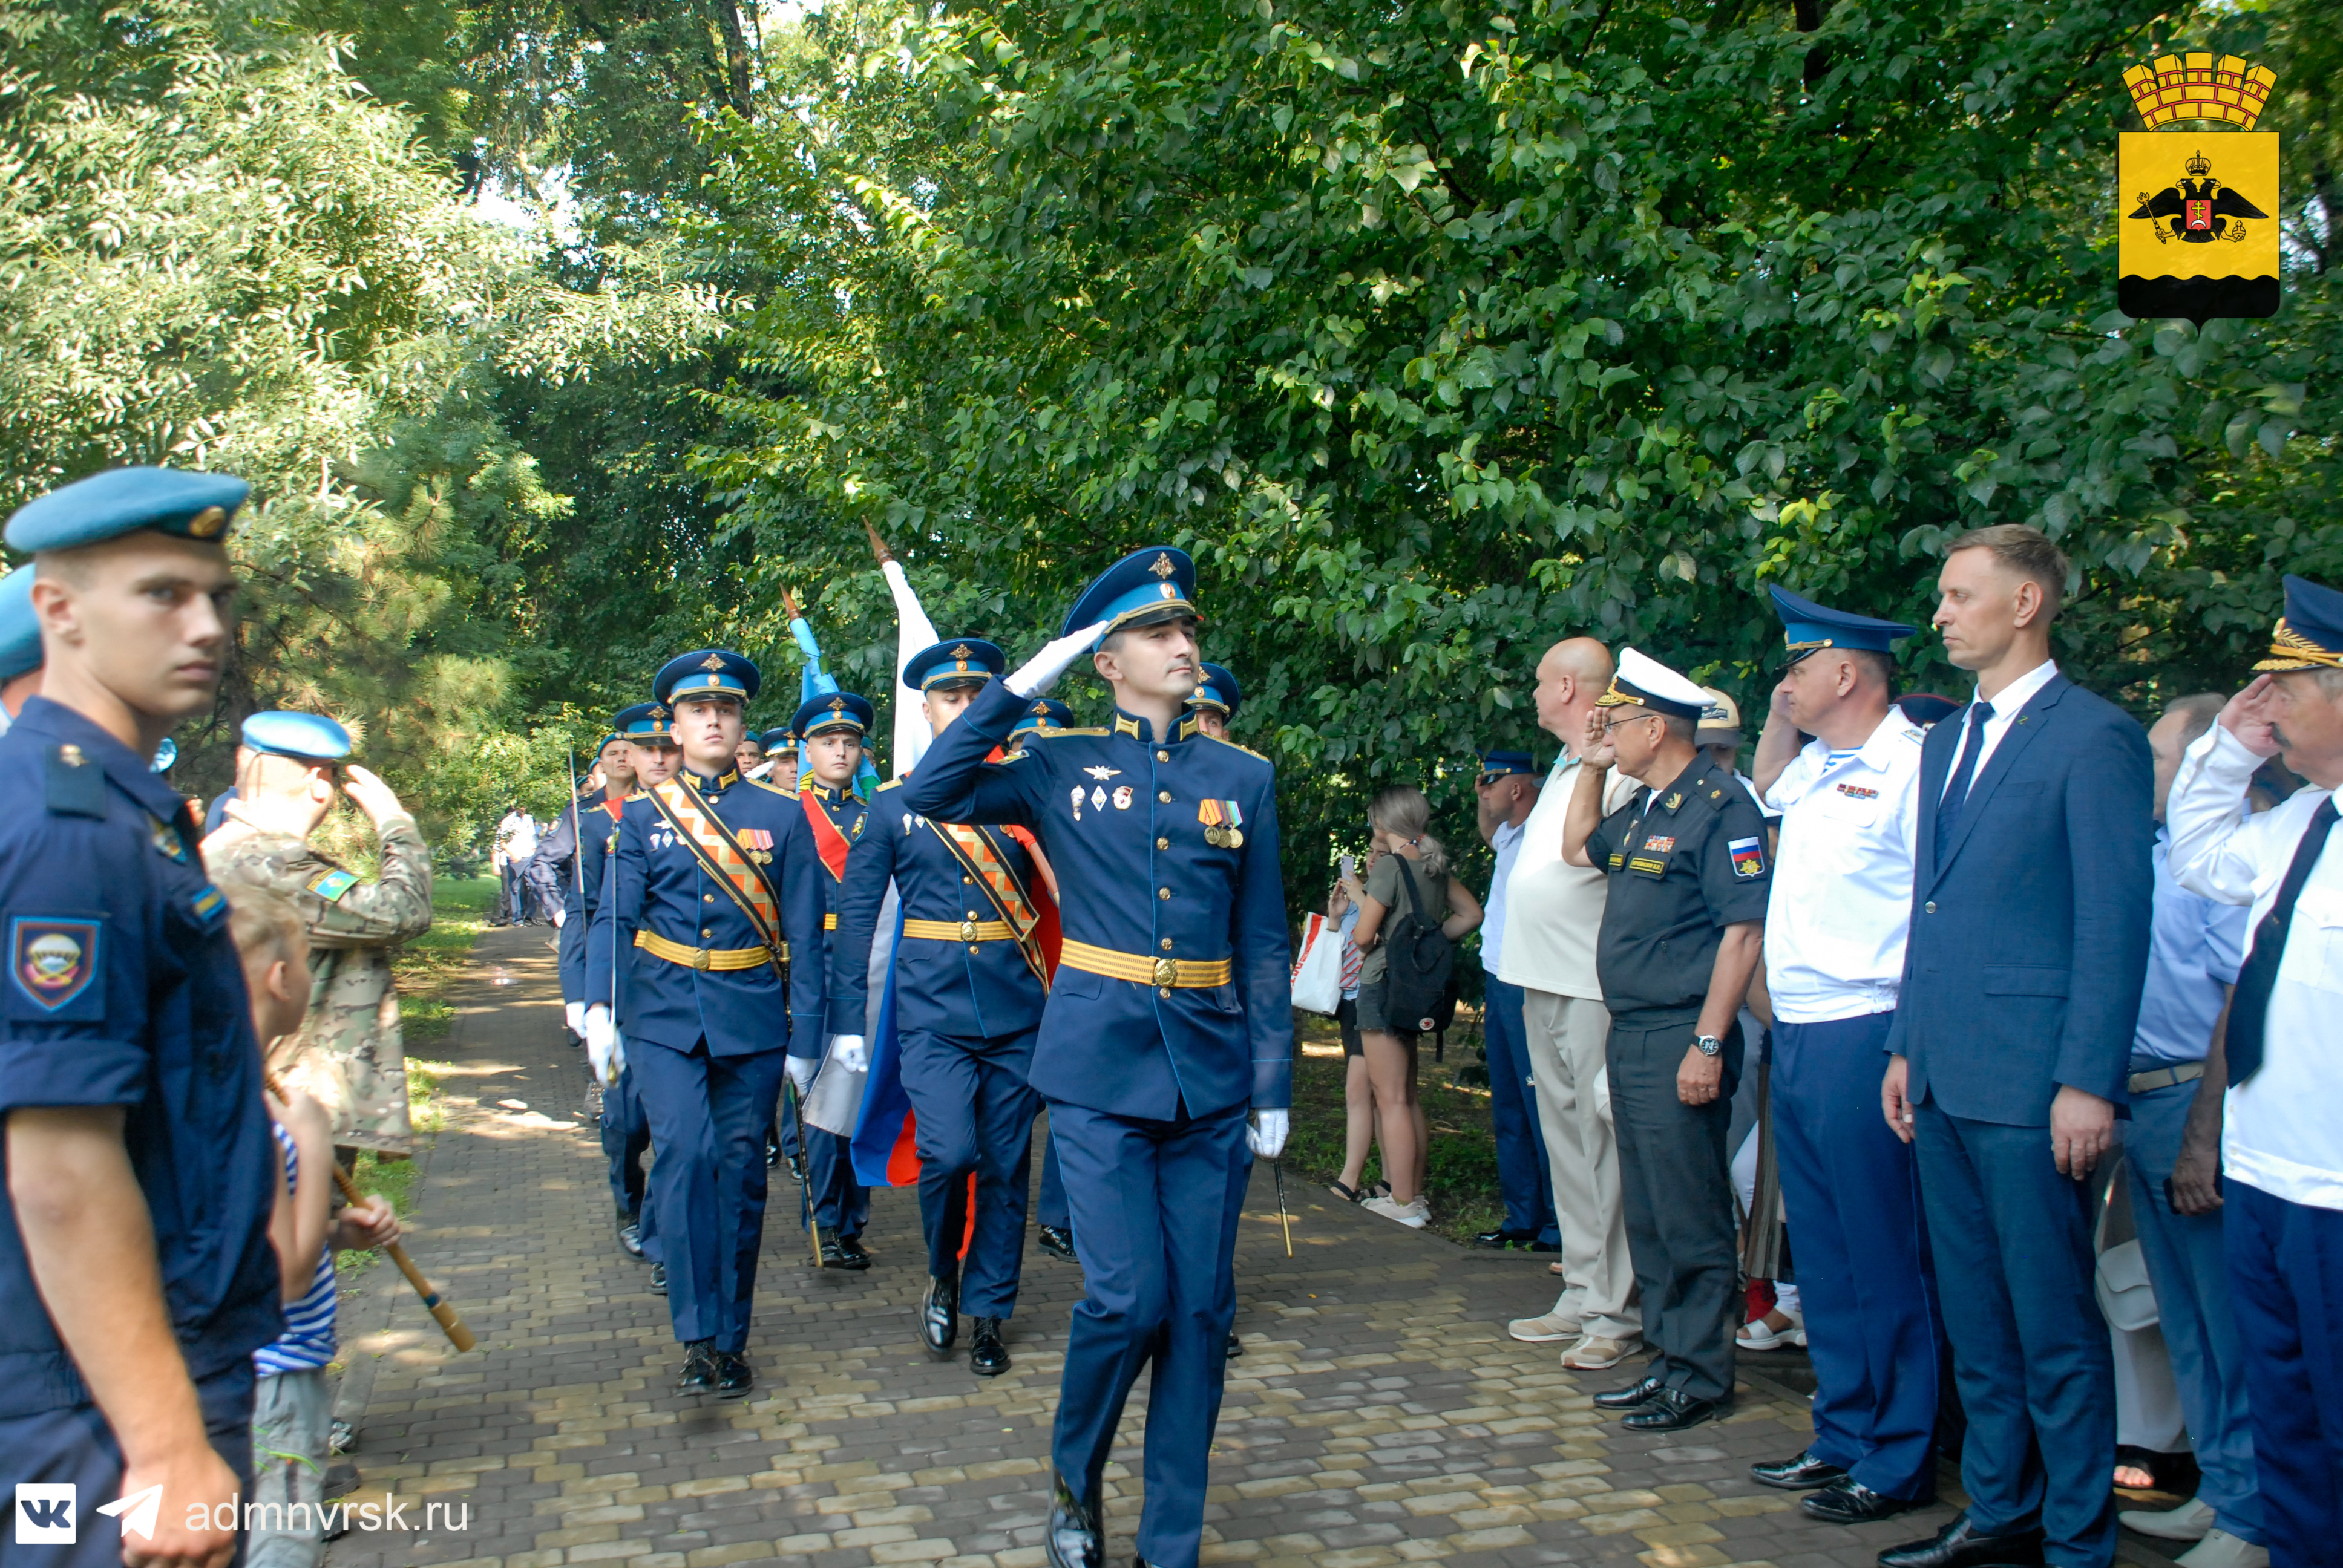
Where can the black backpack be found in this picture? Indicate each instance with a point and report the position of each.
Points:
(1418, 965)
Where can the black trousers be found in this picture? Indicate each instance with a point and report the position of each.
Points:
(1675, 1189)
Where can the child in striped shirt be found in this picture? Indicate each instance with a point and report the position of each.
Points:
(293, 1406)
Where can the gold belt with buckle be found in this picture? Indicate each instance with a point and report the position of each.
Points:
(959, 930)
(1164, 974)
(659, 946)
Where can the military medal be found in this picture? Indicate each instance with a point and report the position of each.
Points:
(1223, 823)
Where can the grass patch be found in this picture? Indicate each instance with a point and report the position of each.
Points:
(1462, 1172)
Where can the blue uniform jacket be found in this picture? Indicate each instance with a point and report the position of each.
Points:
(123, 988)
(846, 813)
(654, 883)
(1123, 816)
(582, 893)
(2029, 939)
(971, 990)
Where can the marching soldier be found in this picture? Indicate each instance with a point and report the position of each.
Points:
(1216, 700)
(833, 727)
(712, 885)
(626, 1135)
(970, 978)
(564, 848)
(1053, 1227)
(348, 1055)
(1170, 1019)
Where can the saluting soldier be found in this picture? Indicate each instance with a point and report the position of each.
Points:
(712, 887)
(832, 727)
(1171, 1018)
(1216, 700)
(136, 1276)
(348, 1054)
(971, 977)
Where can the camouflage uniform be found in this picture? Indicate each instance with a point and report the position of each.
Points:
(347, 1053)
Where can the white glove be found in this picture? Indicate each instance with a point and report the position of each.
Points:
(559, 914)
(849, 1051)
(801, 1069)
(1041, 672)
(618, 1054)
(1266, 1136)
(574, 1015)
(601, 1039)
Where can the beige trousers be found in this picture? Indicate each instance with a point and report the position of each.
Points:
(1566, 1037)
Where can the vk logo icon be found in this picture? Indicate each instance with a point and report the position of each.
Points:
(45, 1512)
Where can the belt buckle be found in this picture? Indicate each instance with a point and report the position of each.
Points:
(1167, 972)
(968, 931)
(700, 957)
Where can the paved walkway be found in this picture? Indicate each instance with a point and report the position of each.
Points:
(1378, 1415)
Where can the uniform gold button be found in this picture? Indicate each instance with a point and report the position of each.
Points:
(1163, 843)
(1162, 892)
(1163, 991)
(1167, 944)
(1164, 796)
(1930, 906)
(971, 949)
(705, 933)
(1163, 757)
(966, 877)
(970, 915)
(707, 898)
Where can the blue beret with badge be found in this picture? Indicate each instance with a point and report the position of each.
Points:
(1809, 628)
(1498, 764)
(20, 629)
(781, 739)
(2309, 635)
(965, 660)
(834, 710)
(303, 736)
(1043, 713)
(1158, 583)
(1217, 689)
(645, 724)
(119, 501)
(707, 672)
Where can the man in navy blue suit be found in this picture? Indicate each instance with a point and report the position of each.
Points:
(2011, 1046)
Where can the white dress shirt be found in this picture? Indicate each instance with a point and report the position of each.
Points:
(2005, 709)
(1841, 906)
(1507, 842)
(2283, 1129)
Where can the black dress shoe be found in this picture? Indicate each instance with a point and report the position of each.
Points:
(1073, 1539)
(987, 1356)
(1852, 1503)
(658, 1279)
(734, 1377)
(851, 1249)
(1803, 1473)
(772, 1154)
(1672, 1409)
(940, 1315)
(1501, 1238)
(1059, 1242)
(1961, 1544)
(1235, 1346)
(630, 1238)
(1632, 1397)
(838, 1252)
(700, 1372)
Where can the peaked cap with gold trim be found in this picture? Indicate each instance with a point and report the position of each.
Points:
(2309, 635)
(953, 661)
(1644, 681)
(707, 672)
(834, 710)
(645, 724)
(1158, 583)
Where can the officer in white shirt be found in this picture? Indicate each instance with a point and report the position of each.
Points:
(1835, 935)
(2282, 1140)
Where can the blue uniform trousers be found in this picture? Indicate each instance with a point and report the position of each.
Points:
(626, 1136)
(2189, 1269)
(2286, 1286)
(1522, 1179)
(75, 1445)
(841, 1205)
(1050, 1208)
(1155, 1211)
(975, 1115)
(2030, 1352)
(1852, 1191)
(707, 1186)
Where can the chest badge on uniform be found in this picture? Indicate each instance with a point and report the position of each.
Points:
(331, 885)
(1122, 797)
(1097, 797)
(1660, 844)
(167, 839)
(1100, 772)
(1748, 857)
(1223, 823)
(52, 961)
(1858, 791)
(1077, 798)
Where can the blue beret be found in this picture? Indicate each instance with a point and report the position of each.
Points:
(122, 500)
(952, 661)
(20, 630)
(1807, 627)
(1507, 762)
(707, 672)
(2309, 635)
(1218, 689)
(1157, 583)
(645, 724)
(1044, 713)
(833, 711)
(781, 739)
(306, 737)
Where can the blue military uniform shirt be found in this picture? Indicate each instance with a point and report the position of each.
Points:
(977, 991)
(1128, 820)
(845, 811)
(581, 890)
(123, 988)
(655, 883)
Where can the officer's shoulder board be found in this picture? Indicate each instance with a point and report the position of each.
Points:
(73, 784)
(1032, 735)
(1235, 747)
(891, 784)
(769, 787)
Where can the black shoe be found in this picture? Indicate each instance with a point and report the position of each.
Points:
(1803, 1473)
(734, 1378)
(1632, 1397)
(630, 1238)
(1961, 1544)
(1502, 1240)
(1852, 1503)
(1073, 1539)
(1672, 1409)
(772, 1154)
(851, 1249)
(940, 1315)
(658, 1279)
(1235, 1346)
(1059, 1242)
(700, 1370)
(987, 1356)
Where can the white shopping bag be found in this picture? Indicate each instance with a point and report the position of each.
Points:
(1318, 968)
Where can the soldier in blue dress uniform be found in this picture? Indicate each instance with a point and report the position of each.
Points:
(136, 1276)
(969, 983)
(712, 888)
(832, 729)
(1054, 1227)
(1216, 700)
(1171, 1018)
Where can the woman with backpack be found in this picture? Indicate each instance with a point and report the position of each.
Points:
(1410, 922)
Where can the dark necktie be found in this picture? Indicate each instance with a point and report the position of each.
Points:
(2249, 1008)
(1956, 792)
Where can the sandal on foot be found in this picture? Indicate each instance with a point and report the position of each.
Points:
(1347, 1194)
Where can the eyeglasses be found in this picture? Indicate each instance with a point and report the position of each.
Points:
(1611, 724)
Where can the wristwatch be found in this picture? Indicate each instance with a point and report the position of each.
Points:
(1707, 1044)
